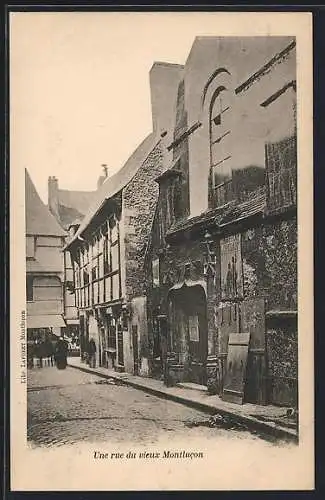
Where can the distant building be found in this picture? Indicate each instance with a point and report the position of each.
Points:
(69, 208)
(44, 266)
(222, 258)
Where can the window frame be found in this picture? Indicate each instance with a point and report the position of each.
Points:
(33, 244)
(216, 140)
(29, 288)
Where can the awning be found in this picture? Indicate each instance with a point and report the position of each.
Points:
(72, 321)
(45, 321)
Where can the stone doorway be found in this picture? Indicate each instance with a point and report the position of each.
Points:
(189, 331)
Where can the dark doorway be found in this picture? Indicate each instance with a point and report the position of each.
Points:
(120, 352)
(135, 349)
(156, 347)
(190, 330)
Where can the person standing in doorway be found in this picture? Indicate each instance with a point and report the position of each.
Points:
(92, 353)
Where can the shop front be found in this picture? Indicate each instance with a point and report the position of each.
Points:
(109, 328)
(44, 330)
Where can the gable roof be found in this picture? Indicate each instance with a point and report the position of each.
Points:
(39, 220)
(67, 215)
(118, 181)
(73, 205)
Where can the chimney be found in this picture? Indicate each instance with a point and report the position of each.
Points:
(73, 228)
(53, 196)
(102, 178)
(164, 80)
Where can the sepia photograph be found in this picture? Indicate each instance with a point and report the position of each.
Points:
(158, 173)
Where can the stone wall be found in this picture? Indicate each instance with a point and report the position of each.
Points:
(139, 205)
(178, 190)
(140, 328)
(270, 270)
(282, 354)
(269, 260)
(270, 263)
(230, 62)
(281, 159)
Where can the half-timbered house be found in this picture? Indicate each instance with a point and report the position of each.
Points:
(108, 248)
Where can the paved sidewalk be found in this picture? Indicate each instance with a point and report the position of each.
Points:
(268, 419)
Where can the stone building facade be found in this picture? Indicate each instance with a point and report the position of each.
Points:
(222, 258)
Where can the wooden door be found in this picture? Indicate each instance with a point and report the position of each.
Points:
(235, 378)
(197, 327)
(253, 321)
(228, 322)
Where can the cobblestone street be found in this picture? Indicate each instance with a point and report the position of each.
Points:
(69, 406)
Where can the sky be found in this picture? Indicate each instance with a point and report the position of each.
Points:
(79, 88)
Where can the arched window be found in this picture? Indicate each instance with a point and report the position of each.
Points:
(220, 145)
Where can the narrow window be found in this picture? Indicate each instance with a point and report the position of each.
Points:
(115, 263)
(155, 273)
(220, 146)
(29, 289)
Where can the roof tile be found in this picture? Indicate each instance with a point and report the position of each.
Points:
(227, 214)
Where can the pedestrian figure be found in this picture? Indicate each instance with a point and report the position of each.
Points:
(48, 351)
(61, 354)
(92, 353)
(86, 351)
